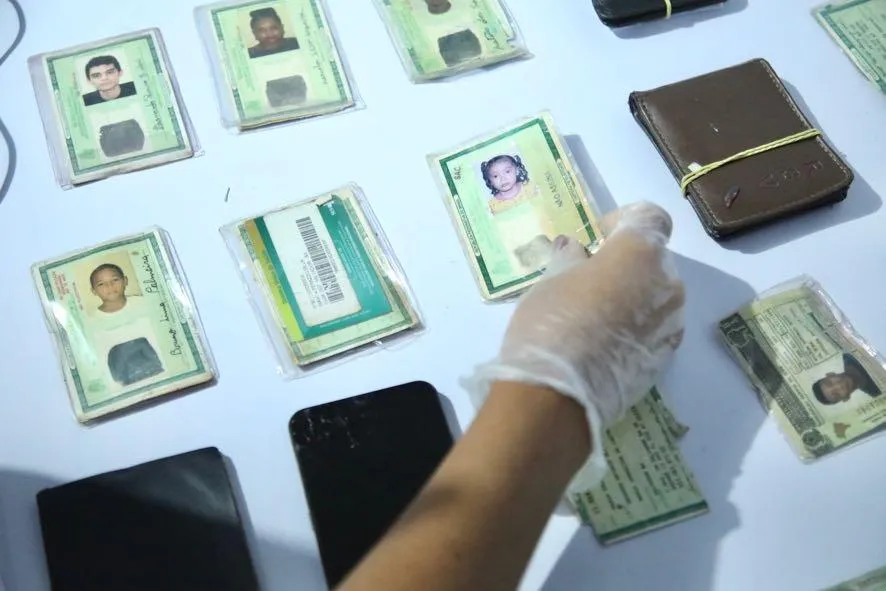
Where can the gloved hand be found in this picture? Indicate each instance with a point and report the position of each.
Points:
(597, 329)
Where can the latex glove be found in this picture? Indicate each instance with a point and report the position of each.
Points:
(598, 329)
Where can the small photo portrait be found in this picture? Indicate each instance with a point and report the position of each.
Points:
(108, 281)
(104, 73)
(506, 177)
(839, 387)
(270, 34)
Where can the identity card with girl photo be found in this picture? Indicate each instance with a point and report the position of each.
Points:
(510, 195)
(273, 61)
(110, 107)
(124, 323)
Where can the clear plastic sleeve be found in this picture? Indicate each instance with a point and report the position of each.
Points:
(322, 280)
(439, 38)
(509, 194)
(111, 107)
(296, 71)
(124, 322)
(819, 379)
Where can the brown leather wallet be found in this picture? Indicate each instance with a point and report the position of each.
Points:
(712, 117)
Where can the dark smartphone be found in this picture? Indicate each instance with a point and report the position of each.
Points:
(362, 461)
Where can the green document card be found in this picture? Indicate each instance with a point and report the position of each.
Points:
(278, 61)
(822, 382)
(872, 581)
(859, 28)
(111, 107)
(437, 38)
(124, 324)
(648, 485)
(510, 194)
(324, 279)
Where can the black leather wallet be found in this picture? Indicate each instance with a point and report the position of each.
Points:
(618, 13)
(171, 524)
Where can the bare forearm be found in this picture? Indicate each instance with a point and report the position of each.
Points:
(475, 524)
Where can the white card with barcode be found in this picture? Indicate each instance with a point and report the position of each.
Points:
(310, 260)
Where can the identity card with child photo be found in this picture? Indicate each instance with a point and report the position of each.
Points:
(322, 277)
(274, 61)
(510, 194)
(110, 107)
(124, 323)
(437, 38)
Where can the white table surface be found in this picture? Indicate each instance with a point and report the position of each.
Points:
(775, 523)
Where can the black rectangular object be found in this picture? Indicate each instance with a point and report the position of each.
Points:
(170, 524)
(362, 461)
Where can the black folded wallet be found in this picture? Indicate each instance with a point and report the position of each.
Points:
(618, 13)
(170, 524)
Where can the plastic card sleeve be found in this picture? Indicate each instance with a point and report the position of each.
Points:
(124, 323)
(439, 38)
(323, 280)
(275, 62)
(111, 107)
(510, 194)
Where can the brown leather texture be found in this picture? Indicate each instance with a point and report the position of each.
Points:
(711, 117)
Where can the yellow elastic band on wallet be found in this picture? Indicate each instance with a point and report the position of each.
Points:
(689, 177)
(668, 8)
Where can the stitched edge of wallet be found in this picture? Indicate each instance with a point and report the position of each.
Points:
(765, 214)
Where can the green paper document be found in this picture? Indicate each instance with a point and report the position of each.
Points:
(859, 28)
(648, 485)
(510, 194)
(124, 324)
(324, 278)
(438, 38)
(872, 581)
(278, 59)
(113, 107)
(816, 376)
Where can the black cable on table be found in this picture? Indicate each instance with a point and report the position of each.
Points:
(10, 167)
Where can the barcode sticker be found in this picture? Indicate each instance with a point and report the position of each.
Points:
(313, 268)
(320, 260)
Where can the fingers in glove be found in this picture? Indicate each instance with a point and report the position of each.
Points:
(567, 252)
(645, 219)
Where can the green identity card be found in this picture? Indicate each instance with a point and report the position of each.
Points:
(510, 194)
(436, 38)
(859, 28)
(819, 379)
(872, 581)
(648, 485)
(124, 324)
(278, 61)
(110, 107)
(324, 280)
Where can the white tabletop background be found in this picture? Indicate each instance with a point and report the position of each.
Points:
(775, 523)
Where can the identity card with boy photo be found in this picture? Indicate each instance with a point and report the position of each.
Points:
(124, 323)
(110, 107)
(437, 38)
(322, 278)
(510, 194)
(273, 61)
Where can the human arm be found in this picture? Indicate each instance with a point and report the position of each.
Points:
(475, 524)
(583, 346)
